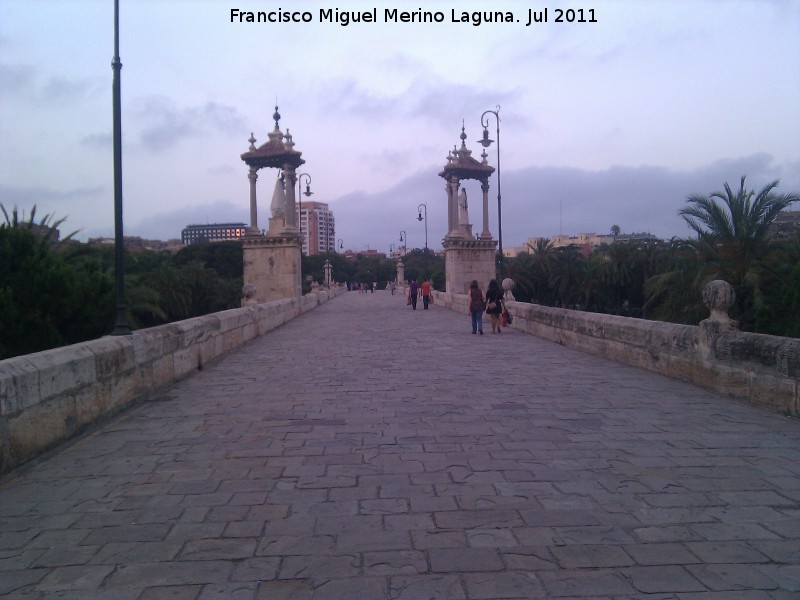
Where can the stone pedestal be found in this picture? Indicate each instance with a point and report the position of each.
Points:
(271, 268)
(466, 260)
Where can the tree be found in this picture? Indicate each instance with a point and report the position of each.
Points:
(44, 300)
(731, 230)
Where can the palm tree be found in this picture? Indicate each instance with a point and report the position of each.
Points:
(732, 238)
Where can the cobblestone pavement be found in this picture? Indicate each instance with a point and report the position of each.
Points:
(368, 451)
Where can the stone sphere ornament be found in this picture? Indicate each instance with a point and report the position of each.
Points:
(719, 296)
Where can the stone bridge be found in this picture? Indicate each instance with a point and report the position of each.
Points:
(364, 450)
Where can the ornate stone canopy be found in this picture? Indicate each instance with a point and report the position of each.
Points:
(461, 165)
(276, 153)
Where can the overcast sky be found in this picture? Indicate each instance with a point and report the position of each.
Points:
(612, 122)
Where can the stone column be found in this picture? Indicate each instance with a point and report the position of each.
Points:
(449, 191)
(485, 233)
(253, 176)
(327, 268)
(290, 177)
(401, 271)
(454, 182)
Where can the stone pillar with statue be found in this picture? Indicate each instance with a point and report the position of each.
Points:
(466, 257)
(272, 267)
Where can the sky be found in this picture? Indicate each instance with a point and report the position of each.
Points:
(612, 122)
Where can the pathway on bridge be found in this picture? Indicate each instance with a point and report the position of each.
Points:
(368, 451)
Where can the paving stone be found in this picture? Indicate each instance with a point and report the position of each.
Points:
(655, 579)
(448, 560)
(509, 584)
(433, 587)
(732, 577)
(586, 556)
(600, 583)
(394, 563)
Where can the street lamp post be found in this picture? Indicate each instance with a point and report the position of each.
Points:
(121, 326)
(404, 239)
(341, 244)
(300, 195)
(420, 209)
(485, 142)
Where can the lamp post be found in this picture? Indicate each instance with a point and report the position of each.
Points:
(300, 195)
(485, 142)
(420, 208)
(404, 239)
(391, 249)
(121, 326)
(341, 244)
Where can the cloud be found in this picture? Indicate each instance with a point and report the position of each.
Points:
(166, 125)
(546, 201)
(168, 225)
(22, 81)
(16, 79)
(100, 141)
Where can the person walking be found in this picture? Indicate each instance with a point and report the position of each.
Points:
(425, 290)
(413, 290)
(477, 305)
(494, 304)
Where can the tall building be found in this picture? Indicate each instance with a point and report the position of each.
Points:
(317, 226)
(215, 232)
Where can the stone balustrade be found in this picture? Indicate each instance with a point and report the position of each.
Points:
(49, 396)
(762, 369)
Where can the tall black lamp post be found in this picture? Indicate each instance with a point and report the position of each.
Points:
(486, 142)
(121, 326)
(422, 207)
(404, 239)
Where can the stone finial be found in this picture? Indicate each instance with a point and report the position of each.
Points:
(252, 141)
(289, 143)
(507, 285)
(719, 296)
(277, 117)
(249, 294)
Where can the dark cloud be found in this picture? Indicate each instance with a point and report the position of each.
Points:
(546, 201)
(22, 81)
(100, 141)
(166, 125)
(15, 78)
(168, 225)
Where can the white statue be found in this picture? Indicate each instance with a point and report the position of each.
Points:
(277, 207)
(463, 215)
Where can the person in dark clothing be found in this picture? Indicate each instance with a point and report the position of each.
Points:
(413, 292)
(494, 304)
(477, 305)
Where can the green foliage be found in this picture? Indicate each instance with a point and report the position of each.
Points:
(45, 300)
(665, 281)
(416, 263)
(732, 242)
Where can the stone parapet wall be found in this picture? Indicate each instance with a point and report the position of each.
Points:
(47, 397)
(762, 369)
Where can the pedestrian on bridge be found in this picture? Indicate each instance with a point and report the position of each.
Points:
(425, 290)
(494, 304)
(477, 304)
(413, 290)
